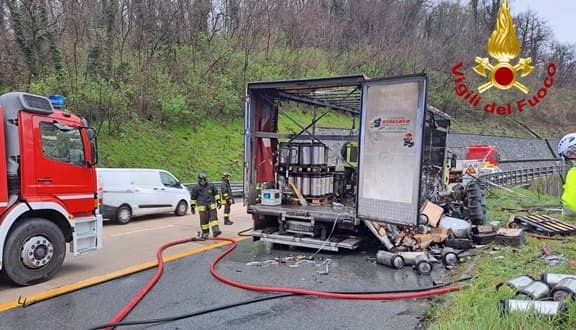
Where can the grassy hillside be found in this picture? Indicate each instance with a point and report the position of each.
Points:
(213, 148)
(216, 146)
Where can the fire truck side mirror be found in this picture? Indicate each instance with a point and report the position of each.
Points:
(91, 132)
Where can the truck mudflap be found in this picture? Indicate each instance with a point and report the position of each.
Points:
(332, 244)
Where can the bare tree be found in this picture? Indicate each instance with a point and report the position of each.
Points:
(534, 35)
(34, 34)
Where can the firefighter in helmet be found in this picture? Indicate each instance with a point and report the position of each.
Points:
(227, 199)
(205, 197)
(567, 151)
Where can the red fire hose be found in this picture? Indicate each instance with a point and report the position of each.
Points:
(358, 296)
(136, 299)
(324, 294)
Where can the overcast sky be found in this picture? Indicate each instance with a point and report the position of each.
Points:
(560, 15)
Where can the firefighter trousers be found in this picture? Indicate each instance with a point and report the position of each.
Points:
(227, 211)
(209, 219)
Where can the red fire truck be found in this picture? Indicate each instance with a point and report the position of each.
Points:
(48, 191)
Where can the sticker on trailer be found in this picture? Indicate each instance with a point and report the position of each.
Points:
(384, 125)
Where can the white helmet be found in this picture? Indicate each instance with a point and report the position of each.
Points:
(567, 146)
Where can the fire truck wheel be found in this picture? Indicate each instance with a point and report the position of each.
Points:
(36, 253)
(181, 208)
(123, 214)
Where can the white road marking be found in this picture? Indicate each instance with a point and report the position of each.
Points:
(141, 230)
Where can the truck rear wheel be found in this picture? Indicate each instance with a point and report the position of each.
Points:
(181, 208)
(34, 252)
(476, 204)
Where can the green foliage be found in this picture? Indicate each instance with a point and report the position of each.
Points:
(212, 149)
(171, 98)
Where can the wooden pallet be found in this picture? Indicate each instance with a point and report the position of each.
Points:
(318, 200)
(543, 224)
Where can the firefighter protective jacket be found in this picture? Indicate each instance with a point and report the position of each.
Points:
(226, 191)
(204, 195)
(569, 194)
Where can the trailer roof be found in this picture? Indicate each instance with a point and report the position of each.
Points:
(343, 93)
(339, 93)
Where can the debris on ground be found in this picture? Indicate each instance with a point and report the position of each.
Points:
(546, 297)
(543, 224)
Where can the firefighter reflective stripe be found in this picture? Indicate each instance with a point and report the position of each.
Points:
(205, 227)
(569, 194)
(226, 215)
(75, 196)
(201, 208)
(193, 202)
(212, 206)
(225, 190)
(204, 194)
(213, 223)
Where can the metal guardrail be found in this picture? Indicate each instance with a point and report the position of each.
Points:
(237, 187)
(523, 176)
(505, 178)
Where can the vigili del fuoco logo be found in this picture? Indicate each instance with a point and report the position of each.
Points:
(502, 71)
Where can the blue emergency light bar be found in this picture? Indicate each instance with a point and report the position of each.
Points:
(57, 101)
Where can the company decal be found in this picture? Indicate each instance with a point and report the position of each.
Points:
(383, 125)
(502, 71)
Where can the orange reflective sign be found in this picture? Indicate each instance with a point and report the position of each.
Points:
(470, 170)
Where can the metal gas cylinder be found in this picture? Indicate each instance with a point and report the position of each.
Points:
(535, 290)
(553, 278)
(305, 184)
(318, 157)
(283, 153)
(293, 154)
(305, 154)
(315, 185)
(564, 289)
(390, 259)
(545, 308)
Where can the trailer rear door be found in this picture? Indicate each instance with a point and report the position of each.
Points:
(392, 125)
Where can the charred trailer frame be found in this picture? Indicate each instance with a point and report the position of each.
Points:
(396, 161)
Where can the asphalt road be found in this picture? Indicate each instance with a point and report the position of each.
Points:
(187, 285)
(125, 246)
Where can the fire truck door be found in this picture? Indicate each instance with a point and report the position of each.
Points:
(60, 164)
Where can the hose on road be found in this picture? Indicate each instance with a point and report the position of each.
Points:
(386, 295)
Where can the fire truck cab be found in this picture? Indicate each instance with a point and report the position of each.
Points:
(48, 190)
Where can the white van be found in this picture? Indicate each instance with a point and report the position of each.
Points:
(132, 192)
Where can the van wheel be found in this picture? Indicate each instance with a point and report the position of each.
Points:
(181, 208)
(36, 253)
(123, 215)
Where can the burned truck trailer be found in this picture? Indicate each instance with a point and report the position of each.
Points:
(314, 186)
